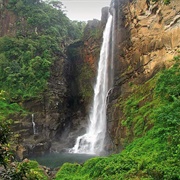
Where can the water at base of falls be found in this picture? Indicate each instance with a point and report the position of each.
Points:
(92, 142)
(54, 160)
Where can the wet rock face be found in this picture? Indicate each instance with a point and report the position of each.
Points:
(56, 106)
(148, 36)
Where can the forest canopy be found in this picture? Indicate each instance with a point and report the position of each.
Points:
(42, 33)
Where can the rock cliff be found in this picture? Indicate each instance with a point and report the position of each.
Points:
(148, 37)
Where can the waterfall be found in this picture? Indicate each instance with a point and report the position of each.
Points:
(92, 142)
(33, 124)
(113, 40)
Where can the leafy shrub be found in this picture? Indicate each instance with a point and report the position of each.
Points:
(25, 170)
(168, 84)
(5, 154)
(166, 2)
(66, 171)
(6, 109)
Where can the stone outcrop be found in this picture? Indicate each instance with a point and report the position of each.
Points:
(148, 37)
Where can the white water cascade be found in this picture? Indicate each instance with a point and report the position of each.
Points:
(33, 124)
(92, 142)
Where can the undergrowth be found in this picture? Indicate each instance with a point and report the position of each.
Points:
(25, 170)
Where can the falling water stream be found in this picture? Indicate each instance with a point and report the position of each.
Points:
(33, 124)
(92, 142)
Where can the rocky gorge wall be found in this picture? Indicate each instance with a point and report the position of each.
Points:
(148, 37)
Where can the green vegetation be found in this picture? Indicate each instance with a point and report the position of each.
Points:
(24, 66)
(42, 33)
(152, 118)
(166, 2)
(5, 154)
(96, 33)
(25, 170)
(6, 109)
(138, 110)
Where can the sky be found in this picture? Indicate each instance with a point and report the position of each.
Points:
(84, 10)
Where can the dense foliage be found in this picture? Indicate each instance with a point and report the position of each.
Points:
(25, 170)
(42, 33)
(6, 109)
(5, 154)
(24, 66)
(155, 152)
(166, 2)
